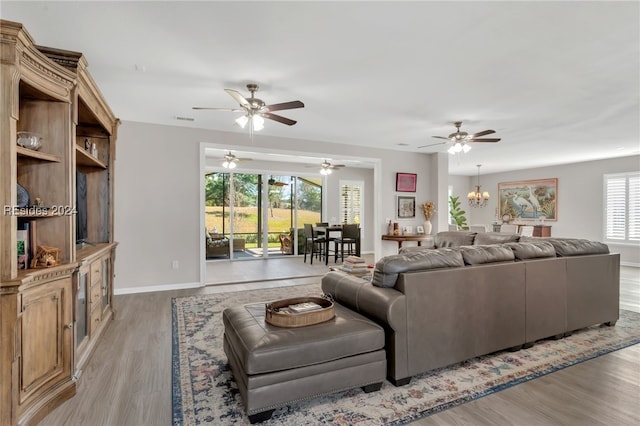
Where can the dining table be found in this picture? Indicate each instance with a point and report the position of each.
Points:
(335, 229)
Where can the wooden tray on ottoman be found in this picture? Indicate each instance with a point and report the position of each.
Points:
(290, 312)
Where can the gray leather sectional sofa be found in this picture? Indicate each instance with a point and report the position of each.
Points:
(461, 299)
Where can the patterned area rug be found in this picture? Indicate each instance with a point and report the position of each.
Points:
(204, 391)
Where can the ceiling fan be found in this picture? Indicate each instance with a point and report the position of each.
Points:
(326, 167)
(274, 182)
(460, 139)
(256, 110)
(231, 161)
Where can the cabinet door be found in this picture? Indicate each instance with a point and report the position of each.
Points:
(106, 282)
(82, 308)
(46, 337)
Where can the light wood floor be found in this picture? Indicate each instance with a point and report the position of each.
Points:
(128, 380)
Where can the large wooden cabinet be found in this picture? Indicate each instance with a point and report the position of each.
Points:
(51, 317)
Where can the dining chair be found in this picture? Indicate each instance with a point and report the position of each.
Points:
(350, 236)
(320, 225)
(312, 240)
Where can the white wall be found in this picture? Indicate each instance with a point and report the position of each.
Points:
(157, 201)
(580, 198)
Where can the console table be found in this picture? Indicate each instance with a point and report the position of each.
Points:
(402, 238)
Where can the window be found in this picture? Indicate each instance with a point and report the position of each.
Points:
(622, 207)
(351, 201)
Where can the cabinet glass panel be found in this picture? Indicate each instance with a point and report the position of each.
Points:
(81, 309)
(105, 282)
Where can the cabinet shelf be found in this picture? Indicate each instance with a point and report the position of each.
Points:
(85, 159)
(24, 152)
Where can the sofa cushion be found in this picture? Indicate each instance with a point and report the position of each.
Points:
(576, 247)
(485, 238)
(387, 269)
(532, 250)
(410, 249)
(478, 255)
(454, 238)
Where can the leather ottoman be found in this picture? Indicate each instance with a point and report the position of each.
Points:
(275, 366)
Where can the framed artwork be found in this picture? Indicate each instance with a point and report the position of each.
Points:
(406, 182)
(406, 207)
(419, 229)
(529, 199)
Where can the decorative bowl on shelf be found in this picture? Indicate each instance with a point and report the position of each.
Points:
(29, 140)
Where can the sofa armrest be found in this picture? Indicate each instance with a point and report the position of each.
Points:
(384, 305)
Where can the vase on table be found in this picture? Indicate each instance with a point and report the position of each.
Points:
(427, 227)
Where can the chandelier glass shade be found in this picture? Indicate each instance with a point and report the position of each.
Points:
(256, 120)
(477, 198)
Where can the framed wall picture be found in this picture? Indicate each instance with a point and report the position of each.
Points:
(529, 199)
(406, 207)
(406, 182)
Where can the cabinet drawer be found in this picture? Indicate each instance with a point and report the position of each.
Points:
(96, 296)
(96, 317)
(96, 271)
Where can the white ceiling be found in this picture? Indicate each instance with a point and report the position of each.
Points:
(557, 81)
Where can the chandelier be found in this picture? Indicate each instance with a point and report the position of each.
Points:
(477, 198)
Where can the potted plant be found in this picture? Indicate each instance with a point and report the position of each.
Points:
(457, 214)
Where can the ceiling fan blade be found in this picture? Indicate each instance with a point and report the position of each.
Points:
(440, 137)
(219, 109)
(285, 105)
(274, 182)
(484, 140)
(483, 133)
(279, 118)
(433, 144)
(336, 166)
(238, 97)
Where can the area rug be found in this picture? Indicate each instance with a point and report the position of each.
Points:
(204, 391)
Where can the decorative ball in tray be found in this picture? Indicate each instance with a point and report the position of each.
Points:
(29, 140)
(299, 311)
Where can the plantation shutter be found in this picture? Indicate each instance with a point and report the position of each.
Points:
(634, 208)
(351, 194)
(622, 198)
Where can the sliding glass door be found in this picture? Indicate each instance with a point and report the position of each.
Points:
(248, 215)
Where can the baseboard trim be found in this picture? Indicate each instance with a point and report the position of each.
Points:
(631, 264)
(152, 288)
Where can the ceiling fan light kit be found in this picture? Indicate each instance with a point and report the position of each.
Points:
(459, 147)
(229, 164)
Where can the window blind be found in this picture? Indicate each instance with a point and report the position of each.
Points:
(622, 199)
